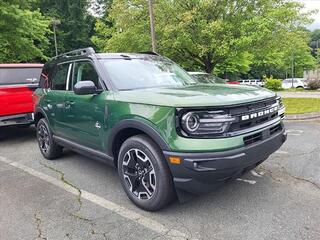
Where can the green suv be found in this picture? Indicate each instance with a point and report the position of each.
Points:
(166, 133)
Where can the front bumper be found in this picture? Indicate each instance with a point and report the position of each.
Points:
(202, 172)
(19, 119)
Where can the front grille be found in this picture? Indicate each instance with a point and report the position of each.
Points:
(275, 129)
(249, 109)
(248, 140)
(245, 118)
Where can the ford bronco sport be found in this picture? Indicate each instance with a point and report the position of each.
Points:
(166, 133)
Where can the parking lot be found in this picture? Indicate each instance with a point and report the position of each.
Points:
(78, 198)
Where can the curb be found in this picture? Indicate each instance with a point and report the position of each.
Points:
(305, 116)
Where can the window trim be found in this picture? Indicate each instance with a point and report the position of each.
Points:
(68, 76)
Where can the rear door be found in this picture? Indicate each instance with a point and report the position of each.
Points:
(54, 98)
(16, 89)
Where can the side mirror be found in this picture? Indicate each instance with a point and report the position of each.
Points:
(85, 88)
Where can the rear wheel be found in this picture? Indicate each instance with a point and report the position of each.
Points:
(144, 173)
(49, 149)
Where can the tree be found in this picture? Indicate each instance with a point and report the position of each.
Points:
(298, 53)
(315, 42)
(217, 36)
(22, 32)
(103, 24)
(76, 27)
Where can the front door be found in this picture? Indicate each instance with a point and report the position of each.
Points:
(85, 114)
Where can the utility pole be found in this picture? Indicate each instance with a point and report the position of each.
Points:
(292, 70)
(55, 23)
(152, 29)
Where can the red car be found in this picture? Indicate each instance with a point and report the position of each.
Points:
(17, 83)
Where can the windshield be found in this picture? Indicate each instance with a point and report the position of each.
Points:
(204, 78)
(148, 72)
(207, 78)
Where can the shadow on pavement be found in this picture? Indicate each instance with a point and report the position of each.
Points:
(17, 133)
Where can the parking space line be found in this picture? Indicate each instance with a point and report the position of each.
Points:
(255, 174)
(102, 202)
(252, 182)
(281, 152)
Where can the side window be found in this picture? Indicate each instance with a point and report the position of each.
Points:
(60, 75)
(84, 71)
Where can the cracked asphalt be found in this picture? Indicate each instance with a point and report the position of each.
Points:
(279, 200)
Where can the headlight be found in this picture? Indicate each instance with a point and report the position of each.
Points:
(281, 107)
(280, 103)
(191, 122)
(202, 123)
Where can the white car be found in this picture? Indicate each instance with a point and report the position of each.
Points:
(297, 83)
(256, 82)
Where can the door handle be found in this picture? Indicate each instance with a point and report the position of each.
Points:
(70, 103)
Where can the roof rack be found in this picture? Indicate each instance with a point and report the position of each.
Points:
(78, 52)
(150, 53)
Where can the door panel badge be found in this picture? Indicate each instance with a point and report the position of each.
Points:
(97, 125)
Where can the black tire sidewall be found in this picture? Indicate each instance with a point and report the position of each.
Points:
(53, 151)
(164, 185)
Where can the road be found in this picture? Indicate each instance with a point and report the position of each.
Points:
(299, 94)
(78, 198)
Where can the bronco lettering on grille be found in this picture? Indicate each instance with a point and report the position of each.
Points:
(259, 114)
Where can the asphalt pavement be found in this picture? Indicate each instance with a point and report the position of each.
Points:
(75, 197)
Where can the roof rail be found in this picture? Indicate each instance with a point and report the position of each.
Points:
(78, 52)
(150, 53)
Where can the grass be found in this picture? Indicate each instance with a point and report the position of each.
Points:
(301, 105)
(297, 90)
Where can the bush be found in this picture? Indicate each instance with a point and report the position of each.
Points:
(314, 84)
(273, 84)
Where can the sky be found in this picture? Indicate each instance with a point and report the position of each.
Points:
(311, 5)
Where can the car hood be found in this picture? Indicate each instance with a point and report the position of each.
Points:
(195, 95)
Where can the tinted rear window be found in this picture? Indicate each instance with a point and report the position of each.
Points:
(11, 76)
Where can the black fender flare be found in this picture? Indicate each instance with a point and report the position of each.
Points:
(39, 110)
(139, 125)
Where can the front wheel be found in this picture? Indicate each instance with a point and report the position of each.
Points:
(144, 173)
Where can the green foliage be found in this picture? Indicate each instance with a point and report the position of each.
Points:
(22, 32)
(230, 38)
(220, 36)
(76, 26)
(273, 84)
(315, 35)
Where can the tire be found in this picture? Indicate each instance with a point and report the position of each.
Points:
(49, 149)
(155, 188)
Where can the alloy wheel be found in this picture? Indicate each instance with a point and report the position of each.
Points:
(43, 138)
(139, 174)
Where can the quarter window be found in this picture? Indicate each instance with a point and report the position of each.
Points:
(84, 71)
(60, 77)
